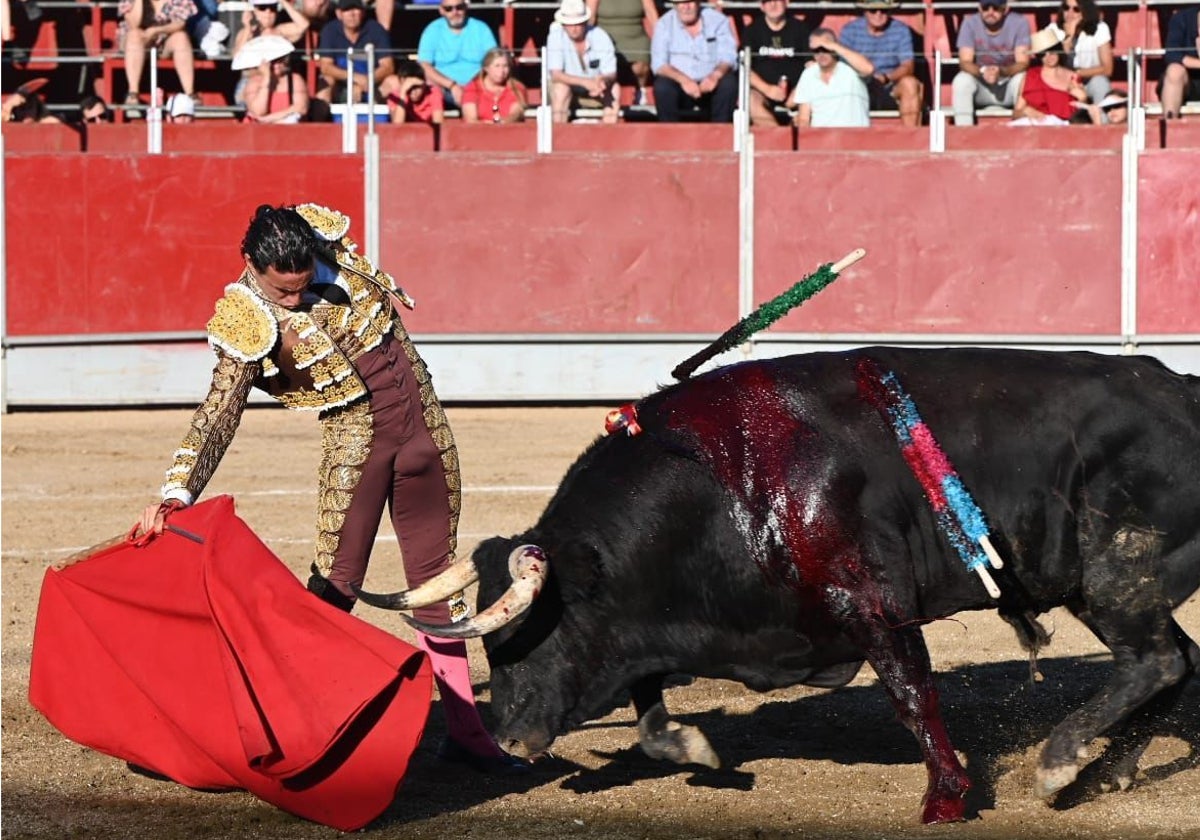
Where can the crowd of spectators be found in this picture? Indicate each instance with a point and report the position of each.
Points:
(682, 53)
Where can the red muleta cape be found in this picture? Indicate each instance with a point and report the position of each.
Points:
(211, 664)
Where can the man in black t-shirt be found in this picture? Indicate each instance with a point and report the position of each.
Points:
(778, 45)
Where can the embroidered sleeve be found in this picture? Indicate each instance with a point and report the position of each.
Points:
(212, 429)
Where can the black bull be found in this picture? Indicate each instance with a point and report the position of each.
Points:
(764, 527)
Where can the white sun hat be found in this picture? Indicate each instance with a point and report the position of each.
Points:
(263, 48)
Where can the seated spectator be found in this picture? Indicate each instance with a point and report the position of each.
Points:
(494, 96)
(276, 93)
(415, 101)
(352, 30)
(629, 23)
(263, 18)
(582, 63)
(1112, 109)
(1050, 91)
(888, 44)
(181, 108)
(993, 53)
(452, 49)
(1181, 79)
(832, 92)
(693, 55)
(93, 109)
(25, 104)
(1089, 45)
(155, 23)
(778, 43)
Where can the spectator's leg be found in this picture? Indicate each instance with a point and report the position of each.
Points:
(909, 94)
(135, 58)
(641, 72)
(560, 101)
(180, 47)
(964, 89)
(383, 13)
(1098, 87)
(667, 97)
(724, 98)
(762, 111)
(1012, 89)
(611, 104)
(1174, 81)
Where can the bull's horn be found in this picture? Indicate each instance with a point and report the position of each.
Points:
(454, 578)
(528, 566)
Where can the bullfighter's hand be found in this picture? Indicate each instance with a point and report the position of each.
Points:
(154, 517)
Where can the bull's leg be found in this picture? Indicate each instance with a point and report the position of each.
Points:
(901, 661)
(1152, 655)
(662, 738)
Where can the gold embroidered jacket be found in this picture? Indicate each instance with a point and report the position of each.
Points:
(302, 357)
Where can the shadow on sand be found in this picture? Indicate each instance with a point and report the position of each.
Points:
(992, 711)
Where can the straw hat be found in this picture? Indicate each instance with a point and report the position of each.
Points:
(1046, 39)
(572, 12)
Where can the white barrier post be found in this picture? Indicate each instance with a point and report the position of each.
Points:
(937, 117)
(154, 114)
(545, 114)
(741, 115)
(349, 118)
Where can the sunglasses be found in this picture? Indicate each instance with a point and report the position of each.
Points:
(822, 51)
(457, 7)
(992, 7)
(877, 11)
(1067, 7)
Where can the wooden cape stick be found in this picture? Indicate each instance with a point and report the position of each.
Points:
(769, 312)
(118, 540)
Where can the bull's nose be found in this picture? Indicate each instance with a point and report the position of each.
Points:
(515, 747)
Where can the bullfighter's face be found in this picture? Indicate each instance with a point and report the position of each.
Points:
(285, 288)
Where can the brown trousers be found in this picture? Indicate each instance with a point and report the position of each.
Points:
(387, 443)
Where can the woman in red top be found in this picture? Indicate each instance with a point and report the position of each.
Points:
(276, 93)
(494, 96)
(1051, 88)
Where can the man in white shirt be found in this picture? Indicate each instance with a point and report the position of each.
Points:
(831, 92)
(582, 61)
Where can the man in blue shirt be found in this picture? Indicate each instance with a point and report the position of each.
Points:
(888, 44)
(352, 30)
(1181, 78)
(452, 47)
(693, 54)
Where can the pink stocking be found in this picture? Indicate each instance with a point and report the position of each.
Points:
(453, 676)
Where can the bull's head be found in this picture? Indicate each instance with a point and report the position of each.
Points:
(534, 683)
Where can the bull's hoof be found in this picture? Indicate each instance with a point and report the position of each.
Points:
(1050, 780)
(679, 744)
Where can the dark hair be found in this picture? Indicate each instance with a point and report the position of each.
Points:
(1090, 14)
(406, 68)
(279, 237)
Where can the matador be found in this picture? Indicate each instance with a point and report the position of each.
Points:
(317, 326)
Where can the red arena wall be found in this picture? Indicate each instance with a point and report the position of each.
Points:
(641, 243)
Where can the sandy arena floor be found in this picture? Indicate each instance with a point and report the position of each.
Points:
(798, 762)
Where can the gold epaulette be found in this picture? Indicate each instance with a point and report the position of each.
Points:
(328, 224)
(243, 325)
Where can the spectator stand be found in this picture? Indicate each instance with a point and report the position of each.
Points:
(56, 45)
